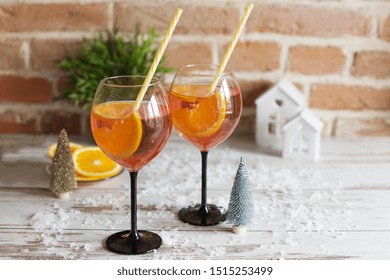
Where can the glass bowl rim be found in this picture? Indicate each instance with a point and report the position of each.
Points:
(153, 82)
(211, 66)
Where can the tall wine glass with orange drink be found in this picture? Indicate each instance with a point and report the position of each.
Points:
(132, 137)
(205, 116)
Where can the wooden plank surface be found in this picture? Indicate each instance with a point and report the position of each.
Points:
(334, 209)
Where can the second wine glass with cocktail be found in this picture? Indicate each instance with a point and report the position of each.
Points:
(204, 113)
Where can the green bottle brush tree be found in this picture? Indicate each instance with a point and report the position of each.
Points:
(241, 208)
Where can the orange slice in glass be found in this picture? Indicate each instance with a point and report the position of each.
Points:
(116, 128)
(203, 112)
(92, 162)
(51, 151)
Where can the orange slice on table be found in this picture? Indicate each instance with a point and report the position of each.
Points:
(51, 151)
(121, 134)
(205, 114)
(91, 162)
(81, 178)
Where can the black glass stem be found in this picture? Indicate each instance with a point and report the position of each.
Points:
(203, 214)
(133, 241)
(203, 208)
(133, 236)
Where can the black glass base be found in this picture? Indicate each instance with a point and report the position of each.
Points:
(195, 215)
(120, 243)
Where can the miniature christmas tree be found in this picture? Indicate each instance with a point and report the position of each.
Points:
(240, 209)
(63, 176)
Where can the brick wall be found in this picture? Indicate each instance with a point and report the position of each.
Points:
(337, 52)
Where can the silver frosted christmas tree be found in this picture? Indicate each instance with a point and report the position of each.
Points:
(63, 176)
(240, 209)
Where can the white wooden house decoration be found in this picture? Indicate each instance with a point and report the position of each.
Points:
(302, 137)
(274, 109)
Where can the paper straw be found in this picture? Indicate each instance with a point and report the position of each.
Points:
(157, 58)
(231, 46)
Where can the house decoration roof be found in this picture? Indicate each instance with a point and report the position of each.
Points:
(287, 88)
(308, 117)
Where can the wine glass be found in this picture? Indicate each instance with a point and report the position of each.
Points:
(205, 117)
(132, 138)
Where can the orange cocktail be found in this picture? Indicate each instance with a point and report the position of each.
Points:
(130, 138)
(204, 119)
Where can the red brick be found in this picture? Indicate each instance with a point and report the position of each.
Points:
(179, 54)
(63, 82)
(13, 122)
(254, 56)
(247, 124)
(384, 32)
(371, 63)
(316, 60)
(22, 89)
(53, 17)
(11, 55)
(307, 21)
(251, 90)
(375, 127)
(33, 120)
(341, 97)
(194, 20)
(45, 53)
(54, 121)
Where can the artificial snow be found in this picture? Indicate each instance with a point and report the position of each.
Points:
(288, 200)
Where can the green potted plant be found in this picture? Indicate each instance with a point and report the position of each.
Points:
(105, 55)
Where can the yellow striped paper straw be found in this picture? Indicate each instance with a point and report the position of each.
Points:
(157, 58)
(231, 46)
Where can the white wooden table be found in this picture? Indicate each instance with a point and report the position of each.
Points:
(338, 208)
